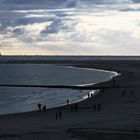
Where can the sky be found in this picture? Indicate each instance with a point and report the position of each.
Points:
(70, 27)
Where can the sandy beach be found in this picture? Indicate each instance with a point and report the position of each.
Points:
(117, 119)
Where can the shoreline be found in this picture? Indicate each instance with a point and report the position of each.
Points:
(76, 87)
(119, 112)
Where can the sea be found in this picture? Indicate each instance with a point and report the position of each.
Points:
(25, 99)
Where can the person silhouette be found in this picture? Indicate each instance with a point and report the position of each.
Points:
(71, 108)
(99, 107)
(67, 101)
(39, 106)
(56, 115)
(60, 115)
(44, 108)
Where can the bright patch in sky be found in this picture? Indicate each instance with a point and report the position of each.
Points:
(70, 27)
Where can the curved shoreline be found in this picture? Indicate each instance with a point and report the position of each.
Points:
(119, 114)
(74, 87)
(92, 86)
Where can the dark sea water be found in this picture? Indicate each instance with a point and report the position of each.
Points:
(71, 58)
(24, 99)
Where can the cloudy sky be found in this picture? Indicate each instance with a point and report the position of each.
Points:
(70, 27)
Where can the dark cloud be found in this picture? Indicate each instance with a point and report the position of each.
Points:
(53, 28)
(53, 4)
(18, 31)
(43, 4)
(130, 10)
(32, 20)
(36, 4)
(135, 1)
(58, 24)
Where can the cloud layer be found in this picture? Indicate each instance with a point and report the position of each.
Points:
(67, 27)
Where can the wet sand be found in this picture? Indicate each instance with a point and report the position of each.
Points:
(118, 119)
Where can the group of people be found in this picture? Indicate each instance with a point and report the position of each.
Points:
(90, 95)
(42, 107)
(97, 107)
(73, 108)
(131, 75)
(132, 93)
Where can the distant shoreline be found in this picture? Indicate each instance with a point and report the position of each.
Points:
(50, 59)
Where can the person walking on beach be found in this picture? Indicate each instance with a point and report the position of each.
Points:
(88, 95)
(71, 108)
(60, 115)
(99, 107)
(39, 106)
(132, 93)
(67, 101)
(44, 108)
(56, 115)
